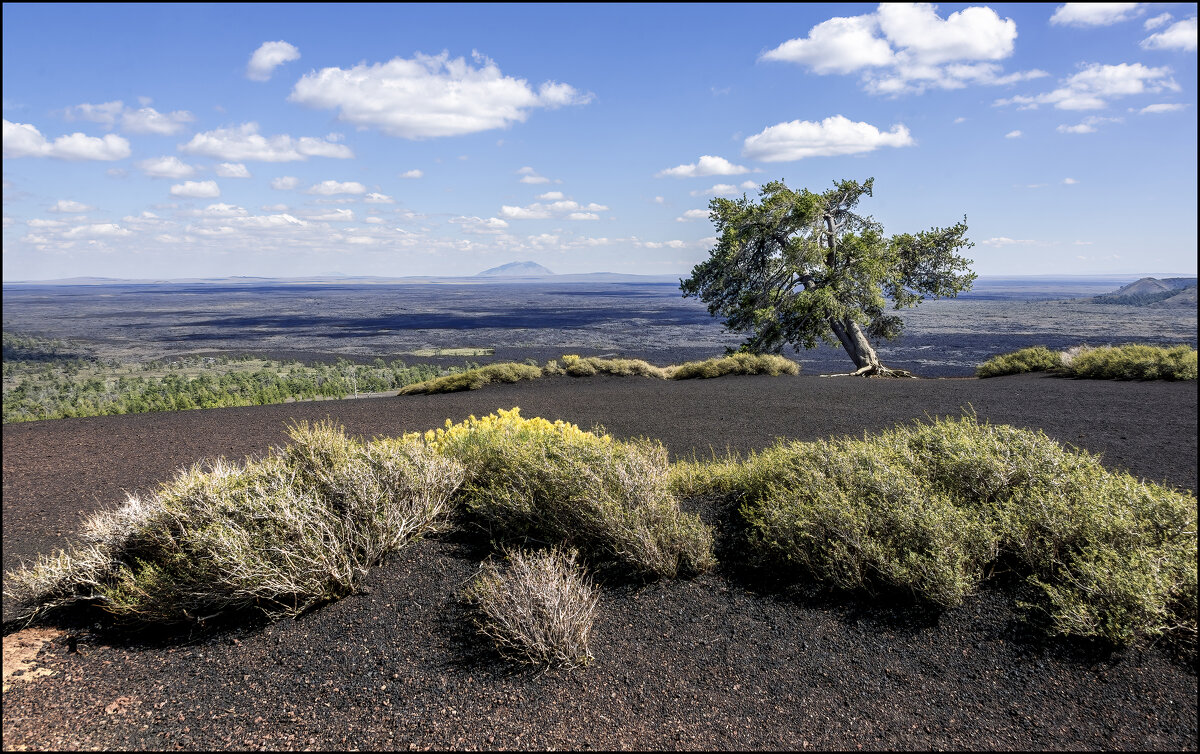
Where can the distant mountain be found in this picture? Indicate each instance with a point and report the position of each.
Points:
(516, 269)
(1156, 292)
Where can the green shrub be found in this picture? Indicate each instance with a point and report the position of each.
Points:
(531, 479)
(1035, 359)
(738, 363)
(473, 379)
(275, 536)
(586, 366)
(537, 608)
(929, 507)
(1133, 362)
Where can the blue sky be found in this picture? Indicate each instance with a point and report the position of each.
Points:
(156, 141)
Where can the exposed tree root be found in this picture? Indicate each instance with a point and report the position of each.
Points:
(877, 371)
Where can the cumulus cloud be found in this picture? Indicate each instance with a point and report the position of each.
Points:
(414, 173)
(1000, 241)
(706, 165)
(1013, 135)
(529, 175)
(1088, 126)
(1095, 14)
(377, 198)
(1069, 181)
(567, 208)
(144, 120)
(1159, 20)
(330, 188)
(551, 196)
(1093, 86)
(97, 230)
(907, 48)
(23, 140)
(692, 214)
(430, 96)
(836, 135)
(196, 189)
(1178, 36)
(166, 167)
(726, 189)
(232, 170)
(69, 206)
(481, 226)
(243, 143)
(1163, 107)
(285, 183)
(268, 57)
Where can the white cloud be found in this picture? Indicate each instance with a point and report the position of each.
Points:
(40, 224)
(274, 208)
(481, 226)
(959, 119)
(268, 57)
(232, 170)
(1159, 20)
(907, 48)
(244, 143)
(706, 165)
(196, 189)
(1180, 35)
(659, 200)
(692, 214)
(147, 120)
(1005, 241)
(529, 175)
(414, 173)
(836, 135)
(1095, 84)
(23, 140)
(429, 96)
(1013, 135)
(1088, 126)
(330, 188)
(551, 196)
(567, 208)
(1163, 107)
(726, 189)
(97, 230)
(285, 183)
(337, 215)
(67, 205)
(377, 198)
(1095, 14)
(223, 210)
(166, 167)
(1069, 181)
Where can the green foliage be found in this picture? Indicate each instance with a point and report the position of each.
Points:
(473, 379)
(738, 363)
(275, 536)
(798, 268)
(586, 366)
(1133, 362)
(537, 608)
(50, 387)
(552, 482)
(1035, 359)
(929, 508)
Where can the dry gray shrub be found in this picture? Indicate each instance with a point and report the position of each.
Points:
(537, 608)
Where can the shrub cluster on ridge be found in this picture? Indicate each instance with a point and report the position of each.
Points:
(1126, 362)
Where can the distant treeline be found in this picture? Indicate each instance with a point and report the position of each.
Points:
(49, 379)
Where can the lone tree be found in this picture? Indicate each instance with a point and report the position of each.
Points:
(797, 268)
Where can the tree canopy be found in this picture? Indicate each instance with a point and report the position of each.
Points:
(801, 268)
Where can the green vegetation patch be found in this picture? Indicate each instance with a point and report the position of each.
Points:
(1126, 362)
(738, 363)
(274, 537)
(586, 366)
(464, 352)
(473, 379)
(1035, 359)
(928, 509)
(553, 482)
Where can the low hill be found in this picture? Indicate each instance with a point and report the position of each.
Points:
(1157, 292)
(517, 269)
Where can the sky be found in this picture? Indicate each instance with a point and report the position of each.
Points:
(174, 141)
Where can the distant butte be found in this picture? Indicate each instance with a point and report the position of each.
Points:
(516, 269)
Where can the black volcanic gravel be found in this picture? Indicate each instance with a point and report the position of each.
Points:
(725, 661)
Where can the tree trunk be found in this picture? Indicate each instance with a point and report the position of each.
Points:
(854, 340)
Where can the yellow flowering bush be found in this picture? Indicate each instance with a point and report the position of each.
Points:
(552, 481)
